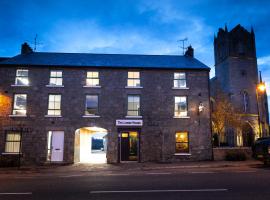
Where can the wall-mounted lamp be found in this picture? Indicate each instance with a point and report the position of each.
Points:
(201, 107)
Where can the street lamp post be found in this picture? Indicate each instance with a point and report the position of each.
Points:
(260, 88)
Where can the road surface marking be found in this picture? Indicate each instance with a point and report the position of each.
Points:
(156, 191)
(117, 174)
(202, 172)
(158, 173)
(70, 176)
(15, 193)
(245, 171)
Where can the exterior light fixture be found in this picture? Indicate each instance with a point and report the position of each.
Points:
(261, 88)
(201, 107)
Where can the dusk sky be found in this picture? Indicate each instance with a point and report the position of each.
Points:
(131, 26)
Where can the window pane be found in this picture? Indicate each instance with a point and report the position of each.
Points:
(179, 80)
(180, 108)
(133, 105)
(22, 81)
(22, 72)
(91, 107)
(19, 106)
(13, 142)
(181, 137)
(179, 75)
(54, 105)
(182, 148)
(182, 142)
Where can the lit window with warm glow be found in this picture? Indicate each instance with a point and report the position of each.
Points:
(22, 77)
(91, 105)
(19, 105)
(133, 105)
(56, 78)
(54, 106)
(181, 142)
(180, 106)
(13, 142)
(179, 80)
(92, 79)
(133, 79)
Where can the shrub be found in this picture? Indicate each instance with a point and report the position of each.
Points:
(235, 156)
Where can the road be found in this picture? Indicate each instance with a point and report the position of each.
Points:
(171, 184)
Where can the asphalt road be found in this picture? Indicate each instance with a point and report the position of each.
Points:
(171, 184)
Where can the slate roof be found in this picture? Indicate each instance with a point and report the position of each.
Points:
(105, 60)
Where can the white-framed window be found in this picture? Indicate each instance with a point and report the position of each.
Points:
(22, 77)
(91, 105)
(181, 142)
(56, 78)
(92, 78)
(13, 142)
(180, 106)
(54, 105)
(19, 104)
(133, 79)
(133, 108)
(179, 80)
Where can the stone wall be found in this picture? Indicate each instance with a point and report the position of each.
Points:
(220, 153)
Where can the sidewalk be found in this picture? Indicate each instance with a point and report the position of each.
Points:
(128, 167)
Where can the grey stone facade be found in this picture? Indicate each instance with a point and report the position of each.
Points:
(156, 136)
(236, 73)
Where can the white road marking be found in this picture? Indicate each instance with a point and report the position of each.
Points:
(245, 171)
(117, 174)
(15, 193)
(158, 173)
(70, 176)
(156, 191)
(202, 172)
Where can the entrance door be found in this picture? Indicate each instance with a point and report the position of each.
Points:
(129, 146)
(57, 146)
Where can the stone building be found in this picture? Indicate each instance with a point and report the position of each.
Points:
(75, 107)
(236, 75)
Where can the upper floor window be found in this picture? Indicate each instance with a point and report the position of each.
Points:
(180, 106)
(13, 142)
(179, 80)
(245, 101)
(22, 77)
(19, 105)
(54, 106)
(133, 79)
(181, 142)
(56, 78)
(133, 105)
(91, 105)
(92, 79)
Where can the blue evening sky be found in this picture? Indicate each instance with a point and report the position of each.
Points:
(131, 26)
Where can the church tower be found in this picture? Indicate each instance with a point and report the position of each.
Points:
(236, 73)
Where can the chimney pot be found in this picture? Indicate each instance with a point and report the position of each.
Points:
(190, 52)
(25, 49)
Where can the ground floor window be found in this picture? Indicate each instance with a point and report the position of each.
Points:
(13, 142)
(181, 142)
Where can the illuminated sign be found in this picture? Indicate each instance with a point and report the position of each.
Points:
(132, 122)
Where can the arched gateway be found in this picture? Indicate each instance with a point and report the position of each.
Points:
(90, 145)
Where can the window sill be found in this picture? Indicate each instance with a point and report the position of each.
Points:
(57, 116)
(180, 88)
(17, 115)
(137, 117)
(20, 85)
(183, 117)
(89, 86)
(91, 116)
(135, 87)
(55, 86)
(182, 154)
(11, 153)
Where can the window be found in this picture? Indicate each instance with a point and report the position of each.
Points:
(54, 107)
(179, 80)
(13, 142)
(19, 105)
(133, 105)
(180, 106)
(92, 79)
(91, 105)
(181, 142)
(56, 78)
(245, 101)
(133, 79)
(22, 77)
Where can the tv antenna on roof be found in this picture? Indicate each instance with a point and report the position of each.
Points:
(183, 44)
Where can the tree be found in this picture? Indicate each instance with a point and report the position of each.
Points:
(224, 115)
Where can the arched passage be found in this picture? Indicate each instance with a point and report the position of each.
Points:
(248, 135)
(90, 145)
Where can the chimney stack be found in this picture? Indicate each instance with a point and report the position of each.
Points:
(26, 49)
(189, 52)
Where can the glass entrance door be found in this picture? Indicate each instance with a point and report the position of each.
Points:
(129, 146)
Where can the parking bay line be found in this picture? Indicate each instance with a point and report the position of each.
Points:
(16, 193)
(156, 191)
